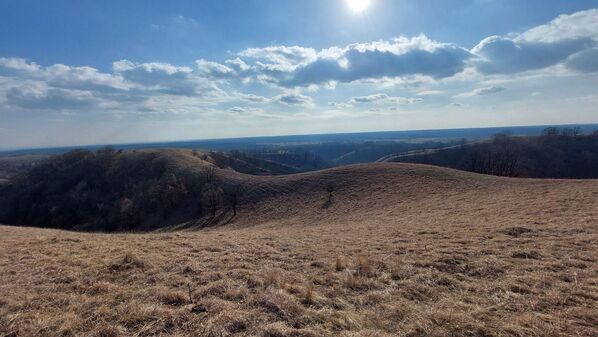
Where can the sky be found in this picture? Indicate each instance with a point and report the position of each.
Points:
(98, 72)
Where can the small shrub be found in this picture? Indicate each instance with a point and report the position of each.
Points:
(353, 282)
(364, 267)
(171, 297)
(340, 263)
(128, 261)
(308, 296)
(271, 278)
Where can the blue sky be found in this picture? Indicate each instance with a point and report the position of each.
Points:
(88, 72)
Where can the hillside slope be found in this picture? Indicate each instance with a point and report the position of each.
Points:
(399, 250)
(182, 189)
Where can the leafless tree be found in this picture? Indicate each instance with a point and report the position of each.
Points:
(232, 197)
(212, 196)
(330, 189)
(571, 132)
(210, 174)
(550, 131)
(501, 159)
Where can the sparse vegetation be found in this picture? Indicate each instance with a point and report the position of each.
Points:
(329, 187)
(339, 265)
(461, 281)
(489, 257)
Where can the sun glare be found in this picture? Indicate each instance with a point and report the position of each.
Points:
(358, 5)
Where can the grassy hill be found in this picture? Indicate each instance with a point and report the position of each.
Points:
(108, 190)
(152, 189)
(395, 250)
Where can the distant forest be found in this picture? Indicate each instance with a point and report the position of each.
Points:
(111, 190)
(557, 153)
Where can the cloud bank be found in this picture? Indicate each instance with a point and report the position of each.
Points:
(279, 77)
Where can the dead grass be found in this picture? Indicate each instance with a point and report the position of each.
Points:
(457, 263)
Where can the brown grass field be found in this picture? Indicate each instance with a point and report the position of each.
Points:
(402, 250)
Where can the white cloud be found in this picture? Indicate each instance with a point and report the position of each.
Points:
(385, 99)
(293, 99)
(370, 98)
(583, 24)
(214, 69)
(238, 65)
(161, 77)
(281, 57)
(570, 40)
(61, 87)
(339, 105)
(39, 96)
(482, 91)
(61, 76)
(400, 57)
(295, 66)
(17, 64)
(500, 55)
(245, 110)
(58, 87)
(175, 104)
(251, 98)
(430, 92)
(568, 44)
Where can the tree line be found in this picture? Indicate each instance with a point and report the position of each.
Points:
(556, 153)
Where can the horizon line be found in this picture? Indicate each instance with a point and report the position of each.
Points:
(135, 143)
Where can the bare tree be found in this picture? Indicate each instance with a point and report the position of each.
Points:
(550, 131)
(212, 196)
(501, 159)
(210, 174)
(330, 189)
(232, 197)
(571, 132)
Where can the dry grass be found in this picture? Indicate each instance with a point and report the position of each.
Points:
(474, 256)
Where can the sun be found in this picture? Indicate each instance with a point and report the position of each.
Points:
(358, 5)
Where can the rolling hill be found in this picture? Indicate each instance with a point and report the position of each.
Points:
(151, 189)
(384, 249)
